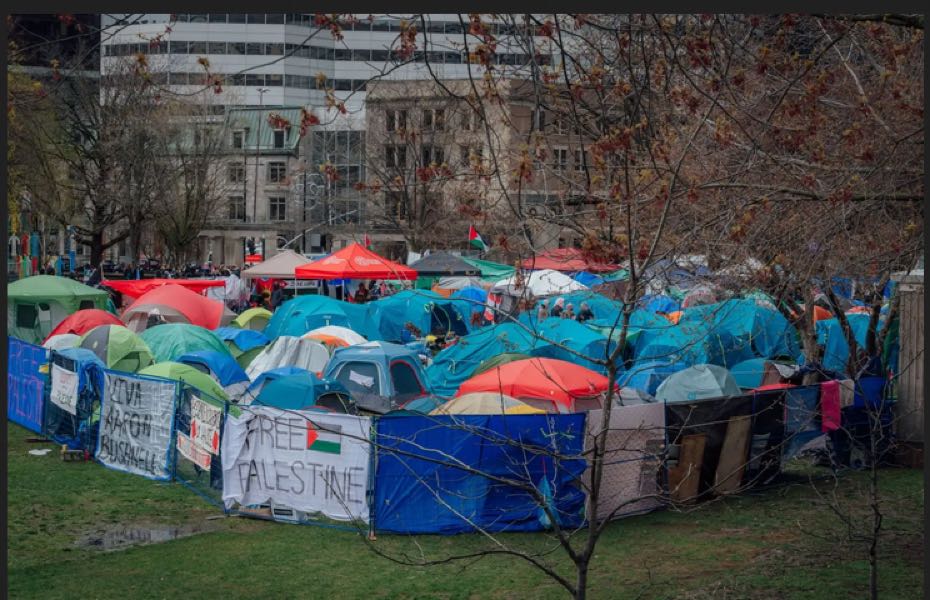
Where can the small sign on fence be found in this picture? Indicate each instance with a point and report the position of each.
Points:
(64, 389)
(189, 450)
(205, 425)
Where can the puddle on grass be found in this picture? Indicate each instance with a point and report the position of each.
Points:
(127, 536)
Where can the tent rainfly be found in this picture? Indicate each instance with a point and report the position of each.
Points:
(355, 262)
(279, 266)
(444, 264)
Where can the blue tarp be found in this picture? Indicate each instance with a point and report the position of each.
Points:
(244, 339)
(606, 311)
(424, 309)
(25, 384)
(588, 279)
(766, 331)
(256, 386)
(571, 334)
(299, 315)
(830, 337)
(420, 490)
(470, 300)
(77, 431)
(222, 366)
(659, 303)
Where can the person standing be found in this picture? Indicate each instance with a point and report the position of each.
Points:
(569, 312)
(361, 295)
(277, 296)
(557, 308)
(584, 313)
(543, 311)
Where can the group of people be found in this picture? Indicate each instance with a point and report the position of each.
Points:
(565, 311)
(372, 291)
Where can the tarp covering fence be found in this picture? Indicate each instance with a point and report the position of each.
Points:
(26, 384)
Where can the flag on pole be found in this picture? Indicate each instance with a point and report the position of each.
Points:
(474, 238)
(367, 241)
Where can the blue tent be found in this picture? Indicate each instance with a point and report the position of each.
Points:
(379, 369)
(588, 279)
(647, 376)
(458, 362)
(765, 330)
(604, 309)
(659, 303)
(256, 386)
(830, 337)
(222, 367)
(244, 339)
(575, 336)
(304, 391)
(299, 315)
(748, 374)
(426, 310)
(470, 300)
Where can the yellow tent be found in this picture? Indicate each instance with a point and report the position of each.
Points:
(255, 319)
(486, 403)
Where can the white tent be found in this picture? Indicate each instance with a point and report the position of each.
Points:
(539, 283)
(351, 338)
(279, 266)
(61, 341)
(289, 351)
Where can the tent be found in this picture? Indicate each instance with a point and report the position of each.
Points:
(550, 384)
(758, 372)
(441, 264)
(696, 383)
(427, 311)
(589, 279)
(835, 348)
(255, 319)
(452, 284)
(698, 296)
(486, 403)
(354, 262)
(175, 304)
(490, 271)
(186, 374)
(259, 383)
(659, 303)
(606, 311)
(84, 320)
(344, 333)
(279, 266)
(573, 342)
(171, 340)
(568, 260)
(631, 397)
(38, 304)
(379, 375)
(470, 300)
(289, 351)
(766, 332)
(646, 376)
(61, 341)
(299, 315)
(305, 391)
(243, 344)
(538, 283)
(498, 360)
(221, 366)
(118, 348)
(136, 288)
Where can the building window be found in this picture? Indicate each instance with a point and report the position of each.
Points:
(238, 139)
(579, 160)
(236, 172)
(560, 159)
(276, 208)
(395, 207)
(274, 80)
(559, 125)
(237, 208)
(279, 138)
(216, 47)
(433, 119)
(468, 120)
(396, 120)
(539, 120)
(277, 171)
(431, 154)
(395, 157)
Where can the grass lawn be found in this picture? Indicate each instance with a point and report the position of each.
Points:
(766, 545)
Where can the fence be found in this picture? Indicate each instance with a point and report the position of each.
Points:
(428, 474)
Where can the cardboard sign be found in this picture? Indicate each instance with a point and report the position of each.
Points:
(64, 393)
(205, 425)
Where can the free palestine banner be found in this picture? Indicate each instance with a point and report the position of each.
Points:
(308, 461)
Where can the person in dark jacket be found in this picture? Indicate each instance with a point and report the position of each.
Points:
(584, 313)
(277, 296)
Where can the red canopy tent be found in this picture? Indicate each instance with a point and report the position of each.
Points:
(557, 381)
(354, 262)
(567, 260)
(137, 287)
(83, 321)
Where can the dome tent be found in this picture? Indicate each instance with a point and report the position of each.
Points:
(186, 374)
(289, 351)
(38, 304)
(84, 320)
(171, 340)
(118, 348)
(696, 383)
(175, 304)
(255, 319)
(379, 375)
(305, 391)
(243, 344)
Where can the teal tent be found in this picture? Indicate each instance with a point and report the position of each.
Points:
(766, 332)
(830, 337)
(697, 383)
(299, 315)
(171, 341)
(429, 312)
(491, 271)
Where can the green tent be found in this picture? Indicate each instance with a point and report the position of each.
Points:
(170, 341)
(36, 305)
(243, 358)
(500, 359)
(491, 271)
(188, 375)
(119, 348)
(254, 318)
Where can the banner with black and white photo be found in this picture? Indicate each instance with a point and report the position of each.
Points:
(136, 422)
(308, 461)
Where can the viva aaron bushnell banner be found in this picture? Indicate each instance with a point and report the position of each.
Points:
(135, 425)
(308, 461)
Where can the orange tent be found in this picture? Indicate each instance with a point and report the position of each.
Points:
(354, 262)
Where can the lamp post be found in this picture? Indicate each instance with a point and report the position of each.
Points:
(258, 141)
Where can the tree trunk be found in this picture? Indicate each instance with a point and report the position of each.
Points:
(96, 248)
(581, 583)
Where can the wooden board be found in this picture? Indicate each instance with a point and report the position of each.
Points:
(733, 456)
(684, 479)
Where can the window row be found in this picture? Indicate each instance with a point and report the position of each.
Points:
(431, 119)
(255, 80)
(277, 208)
(301, 51)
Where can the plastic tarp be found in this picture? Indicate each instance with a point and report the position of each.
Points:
(77, 431)
(767, 332)
(220, 365)
(243, 339)
(84, 320)
(422, 490)
(171, 340)
(588, 343)
(491, 271)
(355, 262)
(136, 288)
(427, 311)
(588, 279)
(835, 348)
(470, 300)
(289, 351)
(538, 283)
(567, 260)
(696, 383)
(61, 341)
(299, 315)
(25, 384)
(176, 304)
(659, 303)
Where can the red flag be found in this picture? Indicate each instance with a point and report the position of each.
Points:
(367, 242)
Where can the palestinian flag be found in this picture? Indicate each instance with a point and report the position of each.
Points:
(328, 440)
(367, 241)
(474, 238)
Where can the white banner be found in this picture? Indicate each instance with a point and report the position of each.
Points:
(64, 392)
(135, 425)
(309, 461)
(189, 450)
(205, 425)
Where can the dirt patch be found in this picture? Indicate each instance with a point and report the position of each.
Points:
(120, 537)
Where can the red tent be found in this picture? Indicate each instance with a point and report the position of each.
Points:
(83, 321)
(138, 287)
(354, 262)
(566, 259)
(173, 300)
(558, 381)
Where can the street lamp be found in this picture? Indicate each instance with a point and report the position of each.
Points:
(258, 140)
